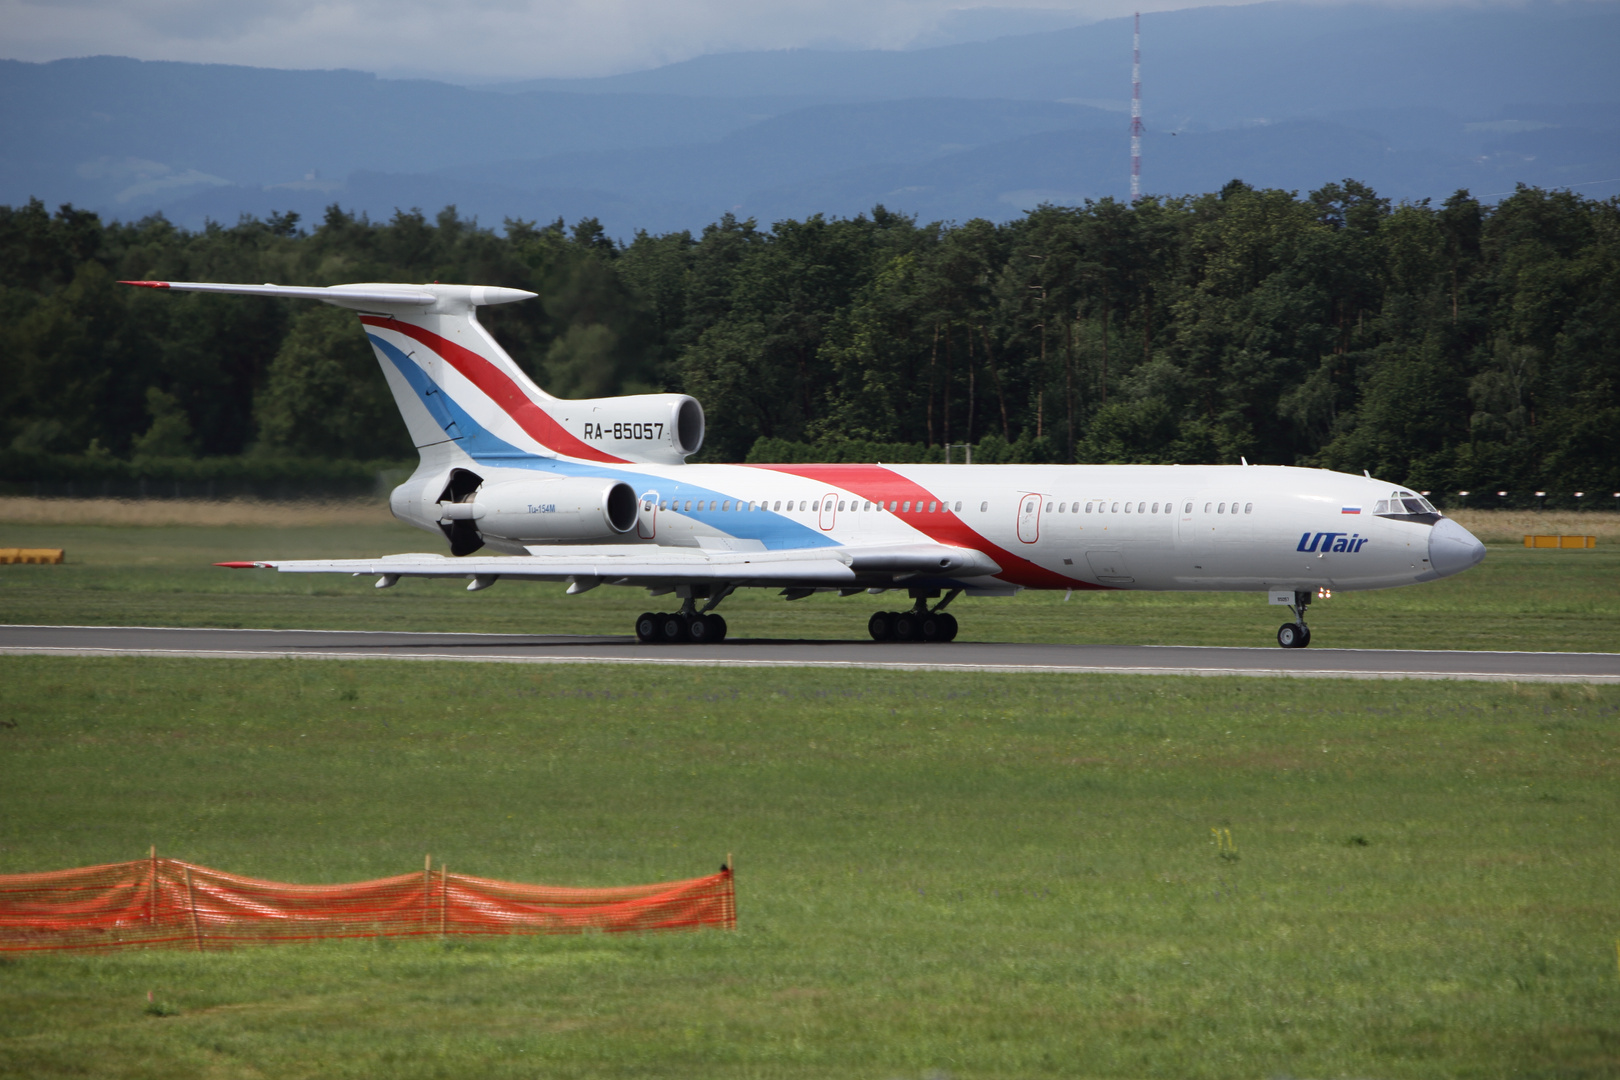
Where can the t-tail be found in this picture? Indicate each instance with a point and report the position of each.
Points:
(466, 403)
(458, 390)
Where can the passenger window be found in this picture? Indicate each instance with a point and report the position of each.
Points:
(983, 507)
(933, 506)
(1088, 508)
(1141, 508)
(1127, 508)
(1207, 507)
(1049, 507)
(1248, 508)
(958, 506)
(726, 505)
(867, 506)
(905, 507)
(840, 504)
(1061, 507)
(1221, 509)
(1114, 509)
(1155, 508)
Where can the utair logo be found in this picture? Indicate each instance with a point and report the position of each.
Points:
(1324, 542)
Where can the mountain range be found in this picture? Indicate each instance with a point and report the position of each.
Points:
(1416, 102)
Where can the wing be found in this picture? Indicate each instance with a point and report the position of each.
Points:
(587, 566)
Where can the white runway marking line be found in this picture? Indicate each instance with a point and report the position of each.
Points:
(874, 665)
(599, 639)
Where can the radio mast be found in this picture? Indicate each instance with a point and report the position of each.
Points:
(1136, 110)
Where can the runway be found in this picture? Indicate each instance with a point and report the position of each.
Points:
(1009, 658)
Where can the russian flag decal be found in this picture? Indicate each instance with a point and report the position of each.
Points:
(1350, 510)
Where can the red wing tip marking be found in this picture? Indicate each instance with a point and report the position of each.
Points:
(150, 285)
(242, 565)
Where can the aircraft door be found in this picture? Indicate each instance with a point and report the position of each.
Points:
(1029, 518)
(1197, 531)
(829, 511)
(1185, 519)
(647, 518)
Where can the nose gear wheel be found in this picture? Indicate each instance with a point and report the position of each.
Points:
(1296, 635)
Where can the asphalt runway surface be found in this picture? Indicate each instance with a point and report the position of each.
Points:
(956, 656)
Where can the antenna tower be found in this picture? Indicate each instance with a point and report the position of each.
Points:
(1136, 110)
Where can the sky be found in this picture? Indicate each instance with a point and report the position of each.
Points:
(494, 40)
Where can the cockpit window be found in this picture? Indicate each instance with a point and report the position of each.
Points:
(1408, 506)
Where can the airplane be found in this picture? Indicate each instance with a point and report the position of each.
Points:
(592, 492)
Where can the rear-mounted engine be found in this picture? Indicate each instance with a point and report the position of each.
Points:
(653, 429)
(581, 508)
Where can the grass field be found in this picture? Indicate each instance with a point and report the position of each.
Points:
(967, 876)
(151, 564)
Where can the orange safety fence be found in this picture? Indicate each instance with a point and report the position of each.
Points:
(167, 902)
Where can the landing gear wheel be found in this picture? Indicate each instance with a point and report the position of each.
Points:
(1293, 636)
(700, 629)
(906, 626)
(717, 628)
(881, 626)
(647, 628)
(931, 627)
(948, 626)
(672, 629)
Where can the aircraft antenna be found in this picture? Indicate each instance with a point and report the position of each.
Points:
(1136, 110)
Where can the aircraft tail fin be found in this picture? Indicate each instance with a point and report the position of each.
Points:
(459, 391)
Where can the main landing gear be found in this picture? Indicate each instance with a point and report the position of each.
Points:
(688, 625)
(920, 623)
(1296, 635)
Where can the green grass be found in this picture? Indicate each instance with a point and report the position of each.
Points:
(1516, 599)
(973, 876)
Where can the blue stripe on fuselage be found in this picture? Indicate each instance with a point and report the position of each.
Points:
(776, 532)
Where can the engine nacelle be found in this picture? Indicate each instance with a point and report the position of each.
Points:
(653, 429)
(572, 508)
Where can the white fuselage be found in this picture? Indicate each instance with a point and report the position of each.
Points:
(1148, 527)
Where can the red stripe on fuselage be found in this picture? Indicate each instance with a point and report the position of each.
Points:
(879, 484)
(499, 388)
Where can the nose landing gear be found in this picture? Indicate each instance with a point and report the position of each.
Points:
(920, 623)
(1296, 635)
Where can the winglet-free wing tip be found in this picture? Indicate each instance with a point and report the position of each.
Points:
(147, 284)
(243, 565)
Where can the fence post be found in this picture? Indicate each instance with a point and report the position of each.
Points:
(151, 885)
(191, 900)
(444, 899)
(427, 889)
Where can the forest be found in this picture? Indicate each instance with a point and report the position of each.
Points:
(1462, 347)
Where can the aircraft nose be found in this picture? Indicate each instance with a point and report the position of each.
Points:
(1452, 548)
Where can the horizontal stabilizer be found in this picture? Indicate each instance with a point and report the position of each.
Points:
(362, 297)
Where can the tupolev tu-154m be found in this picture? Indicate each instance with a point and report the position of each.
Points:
(524, 485)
